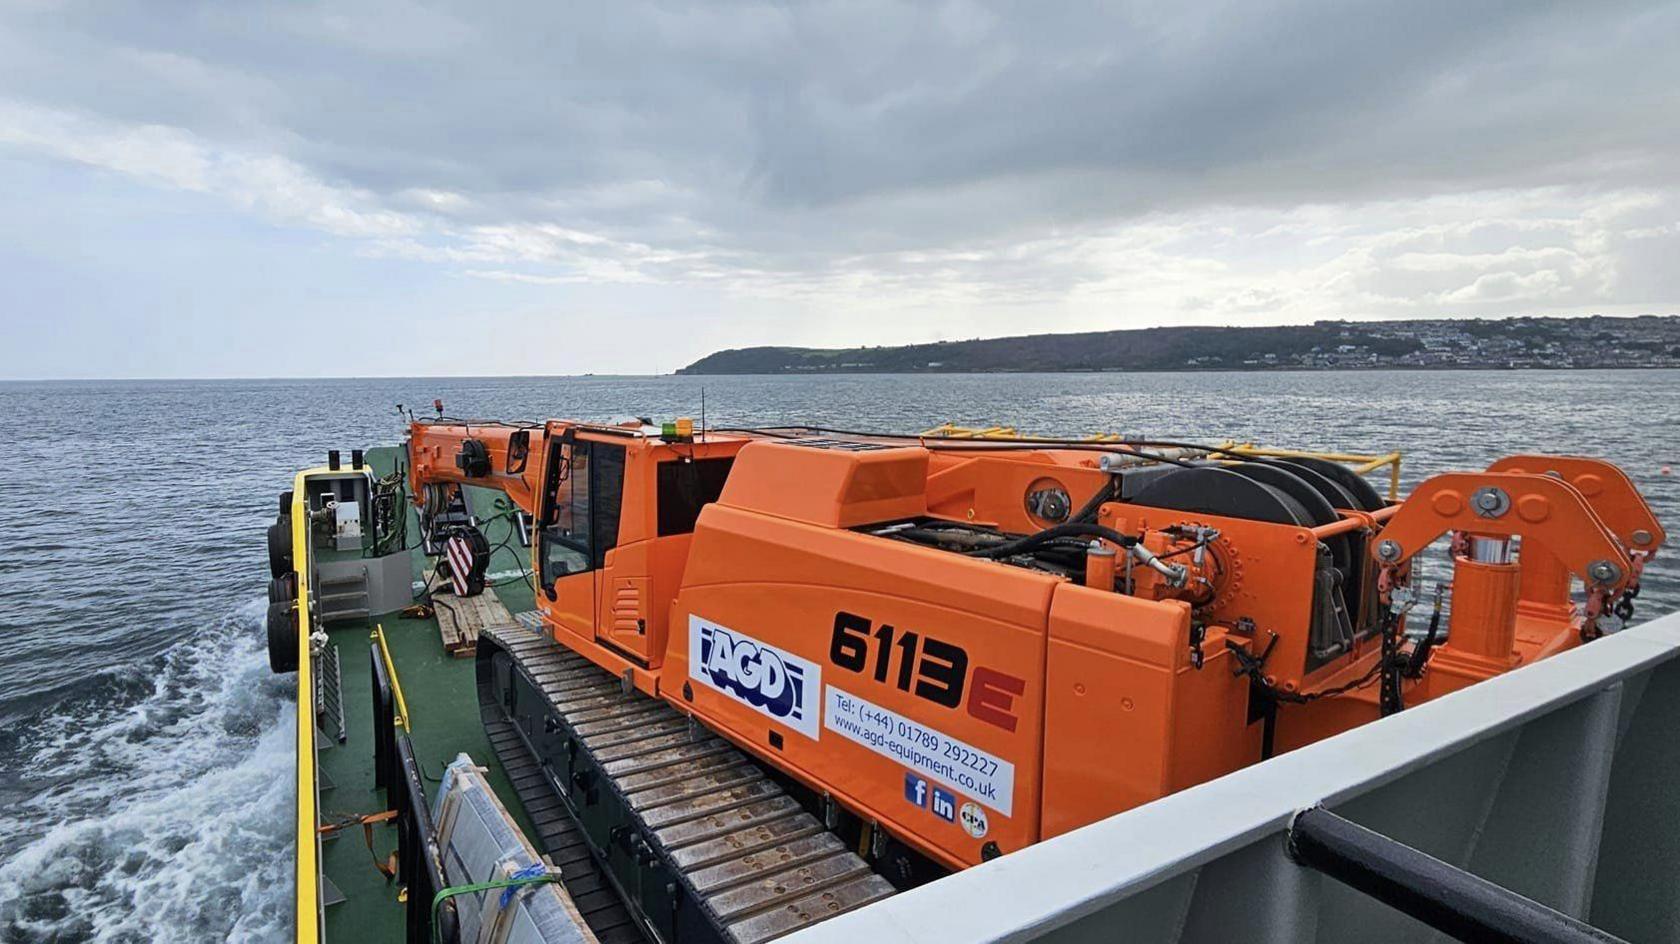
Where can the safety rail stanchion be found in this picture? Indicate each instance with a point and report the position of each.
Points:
(398, 773)
(418, 864)
(384, 654)
(384, 724)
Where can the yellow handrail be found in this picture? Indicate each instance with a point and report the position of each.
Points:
(1362, 464)
(378, 635)
(308, 872)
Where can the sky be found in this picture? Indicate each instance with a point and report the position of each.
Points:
(256, 189)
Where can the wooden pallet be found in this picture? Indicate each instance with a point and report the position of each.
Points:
(461, 619)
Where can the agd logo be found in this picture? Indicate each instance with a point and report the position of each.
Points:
(774, 681)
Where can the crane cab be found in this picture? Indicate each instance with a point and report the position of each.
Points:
(614, 516)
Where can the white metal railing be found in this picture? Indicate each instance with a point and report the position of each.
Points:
(1560, 781)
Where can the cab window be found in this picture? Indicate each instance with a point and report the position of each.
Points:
(582, 499)
(685, 487)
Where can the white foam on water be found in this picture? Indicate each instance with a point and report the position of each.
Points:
(163, 812)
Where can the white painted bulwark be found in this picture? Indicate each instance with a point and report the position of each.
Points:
(1560, 781)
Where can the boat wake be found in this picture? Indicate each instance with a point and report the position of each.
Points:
(155, 802)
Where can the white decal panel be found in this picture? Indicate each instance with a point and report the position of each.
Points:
(966, 768)
(774, 682)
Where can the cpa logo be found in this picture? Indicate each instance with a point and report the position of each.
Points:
(753, 673)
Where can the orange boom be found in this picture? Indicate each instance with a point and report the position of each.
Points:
(962, 647)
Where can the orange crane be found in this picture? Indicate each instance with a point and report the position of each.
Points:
(946, 650)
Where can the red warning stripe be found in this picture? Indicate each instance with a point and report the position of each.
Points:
(460, 563)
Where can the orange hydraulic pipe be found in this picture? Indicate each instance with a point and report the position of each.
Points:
(1353, 521)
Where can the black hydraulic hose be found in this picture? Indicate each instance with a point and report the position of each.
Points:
(1420, 652)
(1088, 511)
(1068, 530)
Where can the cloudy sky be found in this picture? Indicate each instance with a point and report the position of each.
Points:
(192, 189)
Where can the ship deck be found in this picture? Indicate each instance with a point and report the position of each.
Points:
(1550, 782)
(442, 706)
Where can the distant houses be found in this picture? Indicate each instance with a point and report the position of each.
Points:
(1595, 341)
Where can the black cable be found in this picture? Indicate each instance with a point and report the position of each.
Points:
(1253, 667)
(1088, 511)
(1003, 440)
(458, 421)
(1104, 448)
(1070, 529)
(524, 575)
(426, 588)
(1420, 652)
(508, 513)
(1005, 443)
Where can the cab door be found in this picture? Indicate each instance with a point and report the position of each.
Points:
(622, 588)
(583, 488)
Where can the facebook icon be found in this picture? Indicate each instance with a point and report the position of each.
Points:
(916, 790)
(945, 805)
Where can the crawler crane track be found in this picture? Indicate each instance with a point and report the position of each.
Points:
(663, 830)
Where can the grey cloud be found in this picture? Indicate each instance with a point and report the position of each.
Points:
(778, 128)
(872, 172)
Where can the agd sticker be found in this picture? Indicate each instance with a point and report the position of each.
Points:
(775, 682)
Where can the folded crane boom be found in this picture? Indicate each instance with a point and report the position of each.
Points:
(942, 651)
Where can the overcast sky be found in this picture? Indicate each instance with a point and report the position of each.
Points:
(277, 189)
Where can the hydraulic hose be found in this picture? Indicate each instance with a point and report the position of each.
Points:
(1072, 529)
(1088, 511)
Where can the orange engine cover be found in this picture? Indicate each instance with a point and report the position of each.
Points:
(912, 684)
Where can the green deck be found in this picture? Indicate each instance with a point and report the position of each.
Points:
(443, 712)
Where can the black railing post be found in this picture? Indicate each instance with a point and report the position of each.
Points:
(398, 773)
(384, 722)
(417, 853)
(1446, 898)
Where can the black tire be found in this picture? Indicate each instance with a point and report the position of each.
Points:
(285, 503)
(284, 588)
(282, 637)
(280, 546)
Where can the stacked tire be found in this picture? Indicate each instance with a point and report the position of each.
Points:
(282, 592)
